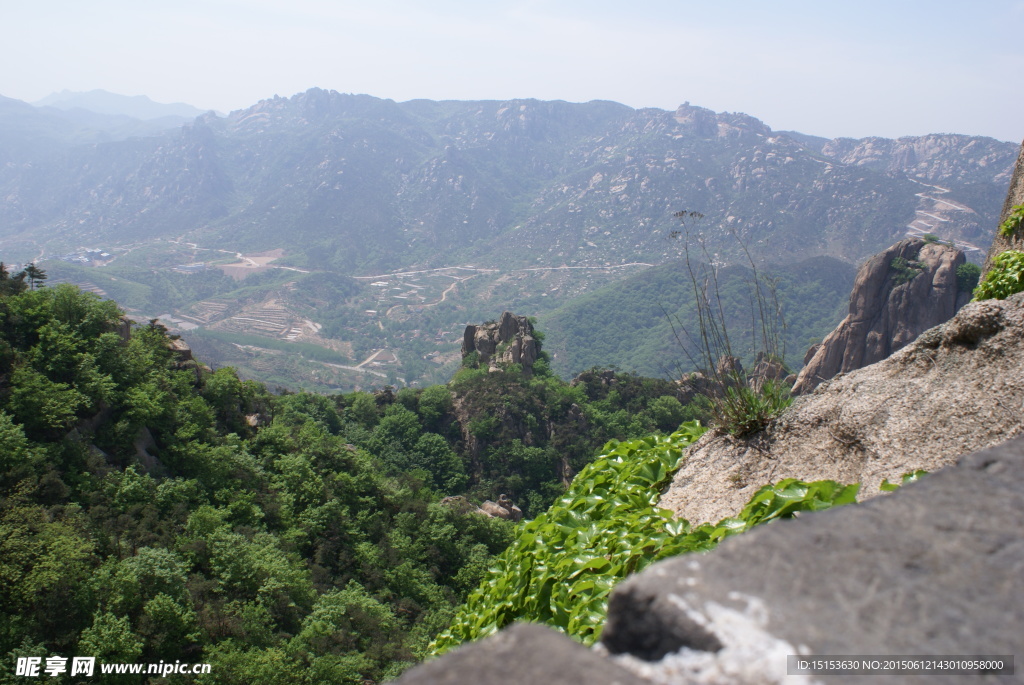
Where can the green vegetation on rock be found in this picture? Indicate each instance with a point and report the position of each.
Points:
(1012, 222)
(741, 410)
(911, 477)
(904, 270)
(154, 510)
(1005, 278)
(967, 276)
(565, 562)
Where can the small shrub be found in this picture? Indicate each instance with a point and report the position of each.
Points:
(967, 276)
(1013, 221)
(741, 410)
(1004, 279)
(905, 270)
(930, 238)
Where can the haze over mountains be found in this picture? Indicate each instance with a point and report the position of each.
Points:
(425, 179)
(352, 185)
(71, 119)
(105, 102)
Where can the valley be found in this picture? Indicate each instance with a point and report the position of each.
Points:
(269, 321)
(335, 242)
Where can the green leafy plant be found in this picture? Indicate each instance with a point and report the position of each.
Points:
(911, 477)
(967, 276)
(781, 500)
(1012, 222)
(564, 563)
(905, 270)
(1005, 278)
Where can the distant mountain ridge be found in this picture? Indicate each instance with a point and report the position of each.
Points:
(105, 102)
(352, 182)
(30, 134)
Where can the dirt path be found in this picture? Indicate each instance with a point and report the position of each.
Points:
(359, 369)
(240, 257)
(929, 215)
(368, 359)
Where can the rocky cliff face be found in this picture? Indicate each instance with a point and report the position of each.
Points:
(952, 391)
(924, 157)
(898, 294)
(508, 341)
(1014, 197)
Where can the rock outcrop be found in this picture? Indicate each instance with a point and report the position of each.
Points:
(184, 360)
(123, 328)
(502, 509)
(898, 294)
(954, 390)
(508, 341)
(180, 349)
(766, 368)
(1015, 196)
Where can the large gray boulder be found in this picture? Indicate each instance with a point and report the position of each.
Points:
(954, 390)
(887, 312)
(933, 569)
(522, 654)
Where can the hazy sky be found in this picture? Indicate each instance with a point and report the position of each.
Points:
(827, 68)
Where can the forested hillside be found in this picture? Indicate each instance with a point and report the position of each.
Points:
(155, 509)
(643, 322)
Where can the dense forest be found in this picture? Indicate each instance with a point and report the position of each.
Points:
(155, 509)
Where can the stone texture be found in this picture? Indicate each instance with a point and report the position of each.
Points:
(933, 569)
(728, 366)
(522, 654)
(955, 390)
(502, 509)
(123, 328)
(766, 369)
(1015, 196)
(886, 315)
(182, 352)
(508, 341)
(925, 158)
